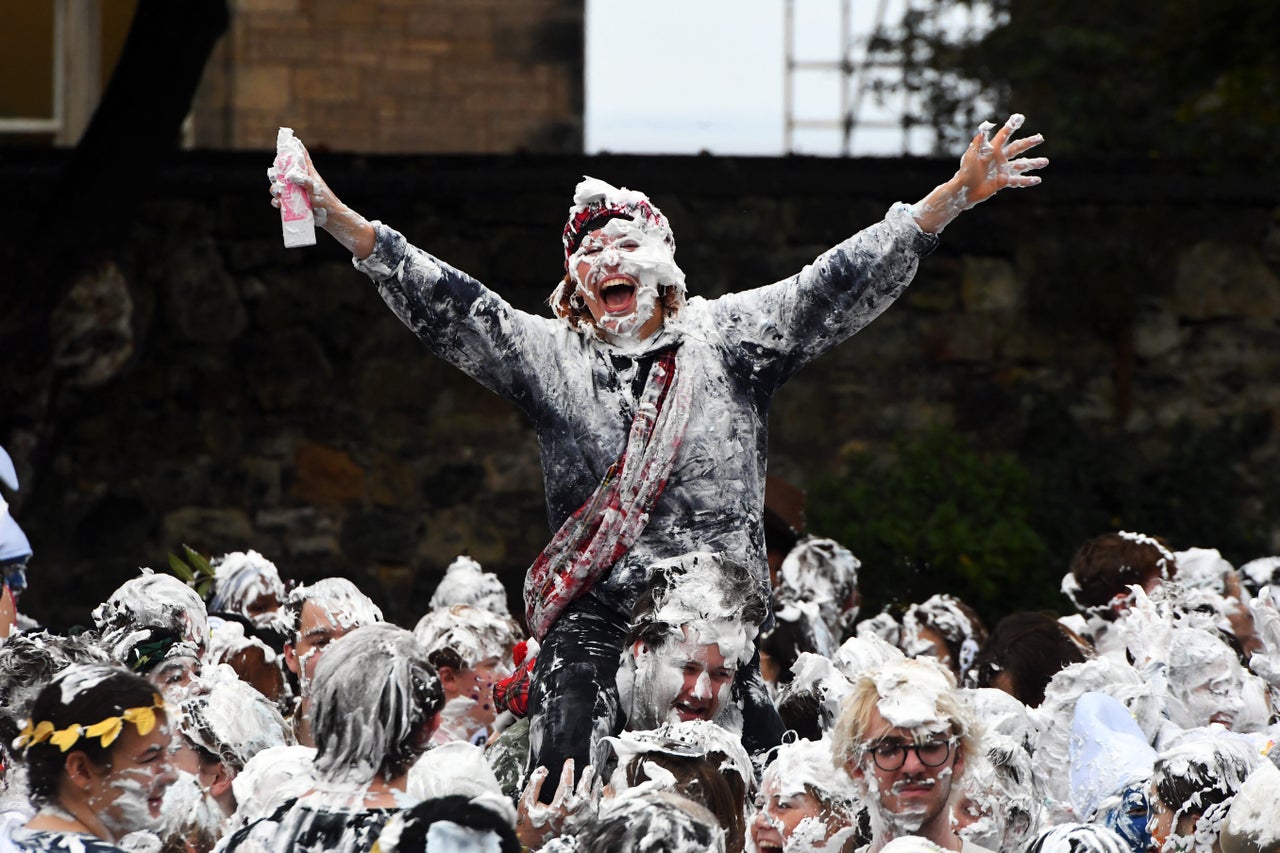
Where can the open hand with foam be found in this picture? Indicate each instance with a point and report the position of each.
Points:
(988, 165)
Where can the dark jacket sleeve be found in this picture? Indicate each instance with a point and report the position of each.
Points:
(779, 328)
(462, 321)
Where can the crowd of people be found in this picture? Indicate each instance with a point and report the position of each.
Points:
(271, 716)
(668, 687)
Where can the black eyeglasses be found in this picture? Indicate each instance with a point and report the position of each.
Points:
(892, 754)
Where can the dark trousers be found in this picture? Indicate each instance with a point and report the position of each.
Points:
(574, 692)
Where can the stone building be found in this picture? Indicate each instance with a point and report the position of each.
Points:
(375, 76)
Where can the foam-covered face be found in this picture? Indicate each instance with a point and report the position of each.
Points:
(618, 271)
(907, 798)
(473, 687)
(1212, 694)
(176, 677)
(787, 820)
(684, 679)
(317, 628)
(1169, 833)
(128, 795)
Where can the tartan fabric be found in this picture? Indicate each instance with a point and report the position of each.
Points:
(512, 693)
(595, 536)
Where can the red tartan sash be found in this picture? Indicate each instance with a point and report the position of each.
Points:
(606, 526)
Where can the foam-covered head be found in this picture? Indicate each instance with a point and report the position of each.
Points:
(999, 803)
(947, 621)
(825, 573)
(595, 202)
(466, 582)
(1203, 568)
(1251, 825)
(247, 584)
(232, 720)
(806, 766)
(270, 779)
(453, 823)
(1264, 571)
(642, 819)
(916, 694)
(1078, 838)
(346, 606)
(471, 633)
(620, 264)
(710, 594)
(152, 601)
(684, 738)
(1205, 680)
(1195, 782)
(374, 697)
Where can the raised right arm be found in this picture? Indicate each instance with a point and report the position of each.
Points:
(457, 317)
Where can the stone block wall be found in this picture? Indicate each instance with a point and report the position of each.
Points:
(387, 76)
(220, 391)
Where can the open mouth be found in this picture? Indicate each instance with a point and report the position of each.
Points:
(688, 712)
(1223, 719)
(618, 295)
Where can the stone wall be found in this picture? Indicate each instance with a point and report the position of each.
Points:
(220, 391)
(386, 76)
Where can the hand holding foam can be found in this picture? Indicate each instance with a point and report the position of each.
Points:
(296, 217)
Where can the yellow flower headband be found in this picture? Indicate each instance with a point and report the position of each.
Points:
(143, 719)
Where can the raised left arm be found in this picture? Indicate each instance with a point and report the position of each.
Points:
(990, 164)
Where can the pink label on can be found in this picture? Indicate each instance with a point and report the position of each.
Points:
(294, 203)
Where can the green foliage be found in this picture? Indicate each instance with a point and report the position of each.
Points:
(938, 516)
(1191, 80)
(998, 529)
(194, 571)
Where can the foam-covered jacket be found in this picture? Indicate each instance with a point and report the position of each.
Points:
(580, 391)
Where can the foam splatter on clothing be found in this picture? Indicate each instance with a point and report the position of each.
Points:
(580, 391)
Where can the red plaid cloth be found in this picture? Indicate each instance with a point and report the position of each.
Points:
(512, 693)
(605, 527)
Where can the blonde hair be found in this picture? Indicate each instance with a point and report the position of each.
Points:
(855, 712)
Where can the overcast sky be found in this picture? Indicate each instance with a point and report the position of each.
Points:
(683, 76)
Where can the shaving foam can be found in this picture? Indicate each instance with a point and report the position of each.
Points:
(296, 217)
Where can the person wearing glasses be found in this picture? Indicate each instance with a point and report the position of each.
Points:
(902, 736)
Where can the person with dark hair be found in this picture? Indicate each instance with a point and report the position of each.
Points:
(1023, 654)
(695, 759)
(1101, 573)
(29, 661)
(316, 615)
(96, 751)
(1192, 787)
(651, 409)
(152, 602)
(375, 702)
(452, 824)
